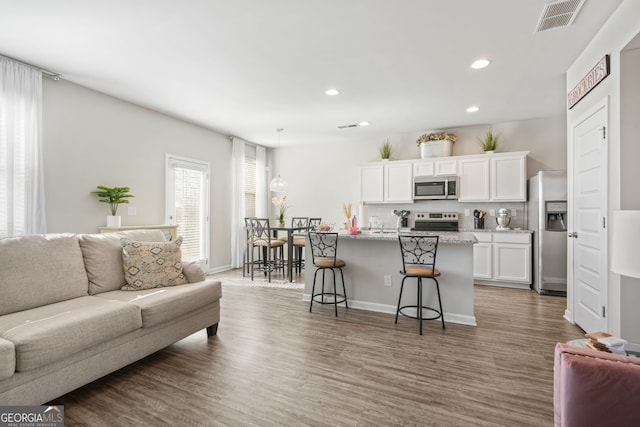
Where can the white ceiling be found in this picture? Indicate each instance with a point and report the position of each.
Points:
(247, 67)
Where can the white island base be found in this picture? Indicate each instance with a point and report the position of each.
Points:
(372, 256)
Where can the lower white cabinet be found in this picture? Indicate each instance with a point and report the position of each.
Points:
(503, 257)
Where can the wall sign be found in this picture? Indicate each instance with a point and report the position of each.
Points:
(588, 82)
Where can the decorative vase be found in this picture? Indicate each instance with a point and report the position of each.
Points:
(438, 148)
(281, 222)
(114, 221)
(489, 151)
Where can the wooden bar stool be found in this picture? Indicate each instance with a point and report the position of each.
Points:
(324, 247)
(419, 262)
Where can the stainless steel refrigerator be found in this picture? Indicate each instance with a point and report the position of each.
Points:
(547, 213)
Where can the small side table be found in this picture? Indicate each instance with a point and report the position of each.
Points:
(170, 231)
(630, 349)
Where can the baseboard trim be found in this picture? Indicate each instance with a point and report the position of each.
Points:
(391, 309)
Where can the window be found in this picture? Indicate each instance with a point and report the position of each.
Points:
(187, 198)
(250, 187)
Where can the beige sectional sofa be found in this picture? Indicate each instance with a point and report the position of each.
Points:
(64, 320)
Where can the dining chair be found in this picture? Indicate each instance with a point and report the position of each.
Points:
(262, 238)
(299, 240)
(419, 262)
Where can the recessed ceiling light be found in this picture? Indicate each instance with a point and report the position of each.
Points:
(363, 124)
(332, 92)
(473, 109)
(480, 63)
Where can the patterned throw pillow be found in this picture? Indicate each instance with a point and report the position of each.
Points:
(150, 265)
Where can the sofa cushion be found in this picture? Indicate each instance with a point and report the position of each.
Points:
(149, 265)
(40, 269)
(50, 333)
(193, 272)
(103, 257)
(163, 304)
(7, 359)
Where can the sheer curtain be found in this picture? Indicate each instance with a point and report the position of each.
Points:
(262, 208)
(237, 202)
(21, 180)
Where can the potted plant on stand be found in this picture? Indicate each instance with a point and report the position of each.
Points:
(489, 141)
(436, 144)
(113, 196)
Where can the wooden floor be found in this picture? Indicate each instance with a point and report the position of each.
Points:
(275, 364)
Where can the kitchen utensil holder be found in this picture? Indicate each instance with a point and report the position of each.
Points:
(478, 223)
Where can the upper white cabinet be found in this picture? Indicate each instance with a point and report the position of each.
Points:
(371, 183)
(389, 182)
(398, 183)
(499, 177)
(474, 180)
(509, 178)
(436, 167)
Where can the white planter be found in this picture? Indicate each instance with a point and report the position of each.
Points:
(440, 148)
(114, 221)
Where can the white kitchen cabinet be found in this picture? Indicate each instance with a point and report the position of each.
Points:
(398, 183)
(512, 257)
(388, 182)
(372, 183)
(483, 257)
(493, 178)
(503, 259)
(436, 167)
(474, 180)
(509, 178)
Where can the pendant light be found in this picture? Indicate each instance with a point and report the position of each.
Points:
(278, 184)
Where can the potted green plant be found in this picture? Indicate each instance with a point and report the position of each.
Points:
(386, 149)
(113, 196)
(489, 141)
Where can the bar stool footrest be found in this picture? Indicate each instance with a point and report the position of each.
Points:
(439, 314)
(326, 295)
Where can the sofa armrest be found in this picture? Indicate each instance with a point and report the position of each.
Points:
(595, 388)
(193, 272)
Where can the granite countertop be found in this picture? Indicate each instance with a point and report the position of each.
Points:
(493, 230)
(461, 238)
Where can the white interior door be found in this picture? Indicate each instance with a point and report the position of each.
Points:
(187, 205)
(588, 236)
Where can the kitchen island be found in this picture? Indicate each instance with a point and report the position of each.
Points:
(370, 256)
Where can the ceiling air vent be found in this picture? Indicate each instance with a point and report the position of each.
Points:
(559, 14)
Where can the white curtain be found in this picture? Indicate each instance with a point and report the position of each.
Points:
(262, 207)
(238, 238)
(21, 177)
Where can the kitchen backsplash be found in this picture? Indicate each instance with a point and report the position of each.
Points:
(385, 212)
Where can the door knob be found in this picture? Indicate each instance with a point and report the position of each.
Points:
(570, 235)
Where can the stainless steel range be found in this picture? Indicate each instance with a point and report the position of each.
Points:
(434, 221)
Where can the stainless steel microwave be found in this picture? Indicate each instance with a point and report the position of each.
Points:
(435, 188)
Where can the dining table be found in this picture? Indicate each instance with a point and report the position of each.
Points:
(291, 231)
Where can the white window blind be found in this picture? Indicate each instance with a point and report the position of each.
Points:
(250, 187)
(188, 201)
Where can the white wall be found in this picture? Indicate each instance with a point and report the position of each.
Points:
(92, 139)
(629, 177)
(619, 30)
(323, 176)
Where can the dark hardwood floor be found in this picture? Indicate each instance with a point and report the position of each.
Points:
(275, 364)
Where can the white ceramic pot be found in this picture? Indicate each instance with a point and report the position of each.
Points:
(114, 221)
(439, 148)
